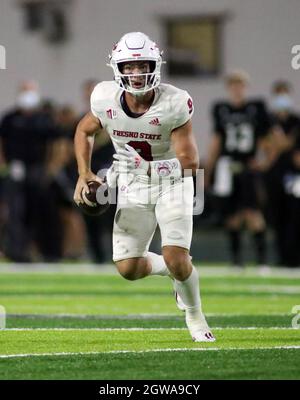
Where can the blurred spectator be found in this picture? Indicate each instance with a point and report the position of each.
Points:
(284, 117)
(48, 107)
(281, 144)
(291, 208)
(99, 230)
(60, 177)
(240, 126)
(25, 132)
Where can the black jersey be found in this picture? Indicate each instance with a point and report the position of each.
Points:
(289, 125)
(240, 127)
(25, 136)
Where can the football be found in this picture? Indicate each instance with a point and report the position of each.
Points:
(91, 205)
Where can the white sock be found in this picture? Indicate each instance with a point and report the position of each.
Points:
(189, 292)
(158, 264)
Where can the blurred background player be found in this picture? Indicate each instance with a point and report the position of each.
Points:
(150, 126)
(25, 132)
(99, 230)
(290, 183)
(232, 167)
(62, 216)
(281, 142)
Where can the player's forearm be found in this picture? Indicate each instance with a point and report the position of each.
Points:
(189, 162)
(84, 141)
(185, 147)
(83, 151)
(181, 166)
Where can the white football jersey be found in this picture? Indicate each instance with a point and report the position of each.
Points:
(149, 133)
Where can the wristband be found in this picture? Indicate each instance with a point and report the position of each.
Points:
(165, 169)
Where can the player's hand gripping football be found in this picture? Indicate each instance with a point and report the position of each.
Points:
(82, 185)
(129, 161)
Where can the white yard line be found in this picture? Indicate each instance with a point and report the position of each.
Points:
(137, 316)
(147, 351)
(240, 328)
(270, 289)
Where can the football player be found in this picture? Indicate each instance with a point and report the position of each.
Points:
(282, 144)
(239, 128)
(150, 126)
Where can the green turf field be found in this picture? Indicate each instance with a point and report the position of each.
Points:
(78, 325)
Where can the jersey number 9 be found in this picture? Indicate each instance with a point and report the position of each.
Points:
(143, 148)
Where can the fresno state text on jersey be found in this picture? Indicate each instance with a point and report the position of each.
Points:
(150, 132)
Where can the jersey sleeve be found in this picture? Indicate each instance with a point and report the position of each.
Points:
(183, 109)
(96, 101)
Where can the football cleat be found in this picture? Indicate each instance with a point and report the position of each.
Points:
(196, 324)
(199, 329)
(203, 337)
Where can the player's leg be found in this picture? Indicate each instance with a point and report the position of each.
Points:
(253, 216)
(256, 225)
(132, 233)
(140, 267)
(233, 225)
(134, 226)
(186, 284)
(133, 268)
(234, 221)
(174, 216)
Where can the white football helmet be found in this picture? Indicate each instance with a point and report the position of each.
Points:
(136, 46)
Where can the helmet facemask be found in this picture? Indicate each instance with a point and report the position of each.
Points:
(150, 79)
(136, 47)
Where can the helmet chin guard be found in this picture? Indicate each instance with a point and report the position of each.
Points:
(136, 46)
